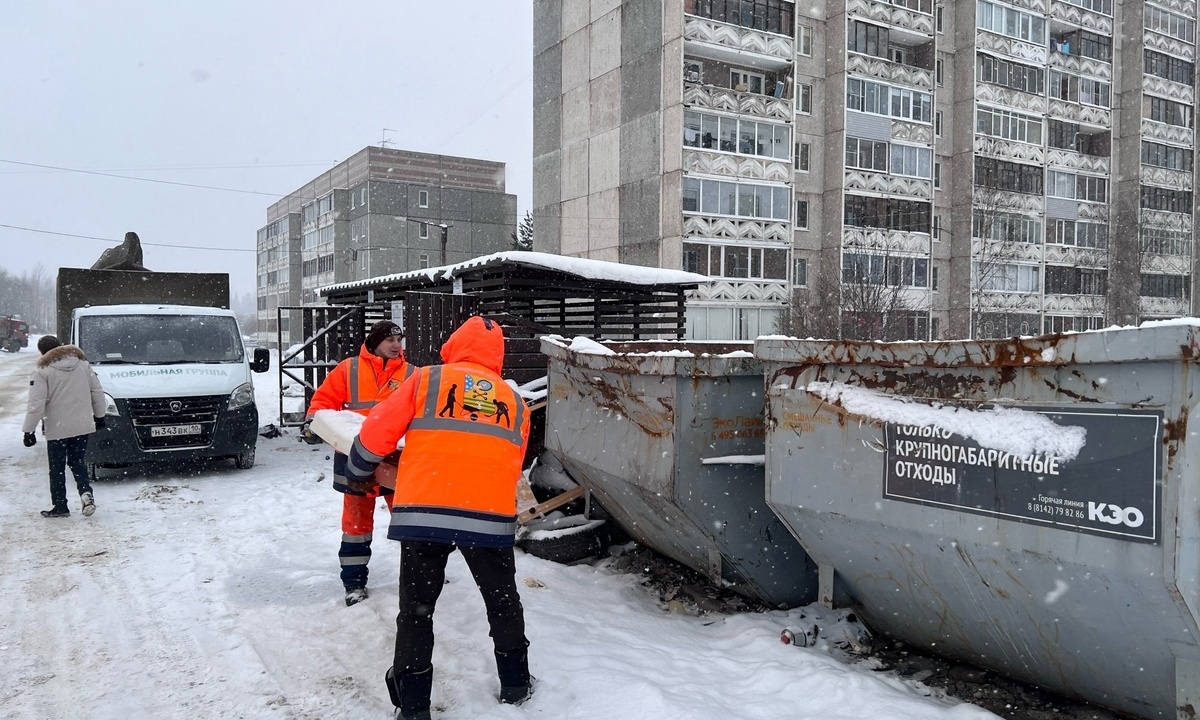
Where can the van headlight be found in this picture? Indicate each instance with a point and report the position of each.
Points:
(110, 405)
(242, 396)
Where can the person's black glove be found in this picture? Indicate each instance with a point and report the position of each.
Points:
(308, 435)
(30, 439)
(99, 423)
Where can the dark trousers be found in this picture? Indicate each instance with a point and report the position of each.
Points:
(422, 575)
(61, 453)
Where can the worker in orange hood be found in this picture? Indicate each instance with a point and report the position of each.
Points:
(359, 383)
(465, 431)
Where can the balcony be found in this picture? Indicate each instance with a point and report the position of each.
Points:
(889, 71)
(713, 97)
(917, 19)
(736, 45)
(728, 228)
(1166, 88)
(1164, 307)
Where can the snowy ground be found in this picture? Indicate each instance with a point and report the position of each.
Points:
(214, 593)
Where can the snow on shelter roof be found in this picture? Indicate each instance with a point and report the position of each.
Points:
(580, 267)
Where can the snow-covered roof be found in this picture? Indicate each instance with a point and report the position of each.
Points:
(581, 267)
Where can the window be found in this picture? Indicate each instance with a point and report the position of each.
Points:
(1006, 277)
(744, 136)
(866, 154)
(1168, 67)
(937, 174)
(912, 161)
(933, 278)
(1084, 43)
(1079, 187)
(1075, 281)
(1166, 241)
(1071, 323)
(897, 54)
(1008, 125)
(693, 71)
(362, 259)
(423, 261)
(867, 39)
(938, 69)
(1010, 22)
(1166, 286)
(773, 16)
(1077, 233)
(801, 214)
(866, 269)
(1005, 227)
(887, 213)
(735, 261)
(717, 197)
(937, 227)
(362, 196)
(804, 40)
(802, 157)
(804, 101)
(1008, 176)
(1166, 156)
(879, 99)
(1167, 200)
(1083, 90)
(800, 272)
(423, 198)
(743, 81)
(1165, 22)
(937, 123)
(1009, 74)
(939, 18)
(1170, 112)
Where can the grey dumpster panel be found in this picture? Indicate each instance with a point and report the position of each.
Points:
(1080, 575)
(671, 444)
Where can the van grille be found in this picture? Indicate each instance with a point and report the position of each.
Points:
(156, 412)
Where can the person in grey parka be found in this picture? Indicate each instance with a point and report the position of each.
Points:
(66, 397)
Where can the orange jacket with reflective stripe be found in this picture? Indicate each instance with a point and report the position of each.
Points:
(465, 431)
(358, 383)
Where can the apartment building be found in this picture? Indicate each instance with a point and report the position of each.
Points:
(876, 170)
(382, 211)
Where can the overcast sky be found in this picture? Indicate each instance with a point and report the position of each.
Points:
(222, 106)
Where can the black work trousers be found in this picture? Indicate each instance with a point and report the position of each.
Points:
(422, 575)
(64, 453)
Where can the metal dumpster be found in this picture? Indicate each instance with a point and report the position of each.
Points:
(669, 438)
(1080, 574)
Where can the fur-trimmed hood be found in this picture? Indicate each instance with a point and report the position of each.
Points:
(60, 352)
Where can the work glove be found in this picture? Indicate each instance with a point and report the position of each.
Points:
(99, 423)
(308, 435)
(30, 439)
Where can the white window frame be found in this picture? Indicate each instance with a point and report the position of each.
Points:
(746, 78)
(804, 40)
(803, 157)
(423, 261)
(797, 264)
(423, 198)
(423, 231)
(804, 99)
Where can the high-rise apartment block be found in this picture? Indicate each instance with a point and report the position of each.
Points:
(876, 170)
(382, 211)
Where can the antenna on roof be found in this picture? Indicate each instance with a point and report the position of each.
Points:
(384, 142)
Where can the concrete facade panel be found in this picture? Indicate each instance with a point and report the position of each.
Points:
(576, 53)
(547, 75)
(605, 154)
(640, 211)
(600, 8)
(606, 101)
(547, 123)
(603, 224)
(547, 189)
(574, 181)
(574, 240)
(576, 14)
(640, 148)
(547, 228)
(576, 115)
(547, 25)
(606, 43)
(641, 28)
(641, 86)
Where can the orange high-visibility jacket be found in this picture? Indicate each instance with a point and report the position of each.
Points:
(465, 431)
(358, 383)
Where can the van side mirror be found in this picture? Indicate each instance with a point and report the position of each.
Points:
(262, 360)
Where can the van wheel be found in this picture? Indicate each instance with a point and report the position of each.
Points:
(244, 461)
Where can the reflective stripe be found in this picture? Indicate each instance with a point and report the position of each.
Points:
(356, 538)
(354, 403)
(431, 398)
(482, 526)
(354, 559)
(466, 426)
(363, 453)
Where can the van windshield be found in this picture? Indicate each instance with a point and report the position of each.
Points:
(160, 339)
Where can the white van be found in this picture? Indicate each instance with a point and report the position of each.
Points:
(177, 383)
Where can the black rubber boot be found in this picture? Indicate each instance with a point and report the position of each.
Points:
(410, 693)
(513, 668)
(56, 511)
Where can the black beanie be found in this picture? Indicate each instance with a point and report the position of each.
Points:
(46, 343)
(379, 331)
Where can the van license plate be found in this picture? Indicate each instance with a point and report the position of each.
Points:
(172, 430)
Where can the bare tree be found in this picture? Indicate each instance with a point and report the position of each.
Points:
(998, 230)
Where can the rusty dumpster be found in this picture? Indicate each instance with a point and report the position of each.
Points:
(1029, 505)
(669, 438)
